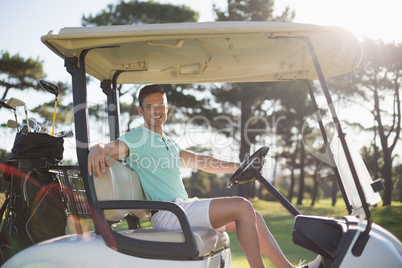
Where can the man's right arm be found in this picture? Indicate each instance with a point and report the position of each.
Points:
(97, 157)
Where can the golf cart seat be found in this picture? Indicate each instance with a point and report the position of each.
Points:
(120, 182)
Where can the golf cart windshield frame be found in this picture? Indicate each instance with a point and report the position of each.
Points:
(76, 66)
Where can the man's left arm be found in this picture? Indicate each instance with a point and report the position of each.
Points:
(207, 163)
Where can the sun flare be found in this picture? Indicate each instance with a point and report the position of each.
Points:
(363, 18)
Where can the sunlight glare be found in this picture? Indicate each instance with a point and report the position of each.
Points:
(364, 18)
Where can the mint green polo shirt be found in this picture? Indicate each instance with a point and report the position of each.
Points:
(157, 162)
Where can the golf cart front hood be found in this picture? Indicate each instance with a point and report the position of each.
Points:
(207, 52)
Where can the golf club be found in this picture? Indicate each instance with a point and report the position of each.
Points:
(33, 125)
(65, 134)
(38, 127)
(13, 124)
(4, 103)
(24, 129)
(14, 103)
(53, 89)
(43, 128)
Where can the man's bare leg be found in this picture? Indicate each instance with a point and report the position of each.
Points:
(252, 233)
(240, 211)
(268, 244)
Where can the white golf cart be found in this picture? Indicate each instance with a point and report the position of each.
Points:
(204, 53)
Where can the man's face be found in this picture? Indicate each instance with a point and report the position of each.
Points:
(154, 110)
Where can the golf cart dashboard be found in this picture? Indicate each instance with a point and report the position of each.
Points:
(325, 236)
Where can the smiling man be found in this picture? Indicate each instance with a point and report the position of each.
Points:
(157, 160)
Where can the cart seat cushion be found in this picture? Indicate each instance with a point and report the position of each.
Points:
(208, 240)
(120, 182)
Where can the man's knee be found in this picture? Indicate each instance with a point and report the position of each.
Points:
(244, 205)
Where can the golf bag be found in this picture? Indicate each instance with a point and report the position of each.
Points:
(33, 209)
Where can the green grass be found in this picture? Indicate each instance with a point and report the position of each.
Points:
(390, 218)
(280, 223)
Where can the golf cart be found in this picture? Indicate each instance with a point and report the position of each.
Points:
(213, 52)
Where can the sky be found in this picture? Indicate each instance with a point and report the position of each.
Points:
(23, 22)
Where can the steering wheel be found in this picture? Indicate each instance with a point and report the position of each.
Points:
(251, 166)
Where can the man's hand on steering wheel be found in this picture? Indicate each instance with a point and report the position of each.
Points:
(251, 166)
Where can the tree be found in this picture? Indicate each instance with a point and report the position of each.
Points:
(293, 131)
(379, 80)
(248, 106)
(250, 95)
(19, 73)
(252, 10)
(398, 175)
(198, 184)
(316, 167)
(23, 74)
(136, 12)
(373, 158)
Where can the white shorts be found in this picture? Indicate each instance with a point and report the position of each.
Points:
(197, 212)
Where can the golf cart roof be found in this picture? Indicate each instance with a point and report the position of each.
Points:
(207, 52)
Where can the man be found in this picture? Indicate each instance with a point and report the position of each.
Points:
(158, 159)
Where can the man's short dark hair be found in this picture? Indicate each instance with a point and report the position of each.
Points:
(148, 90)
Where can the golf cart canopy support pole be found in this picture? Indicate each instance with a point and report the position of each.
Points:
(364, 236)
(113, 108)
(77, 71)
